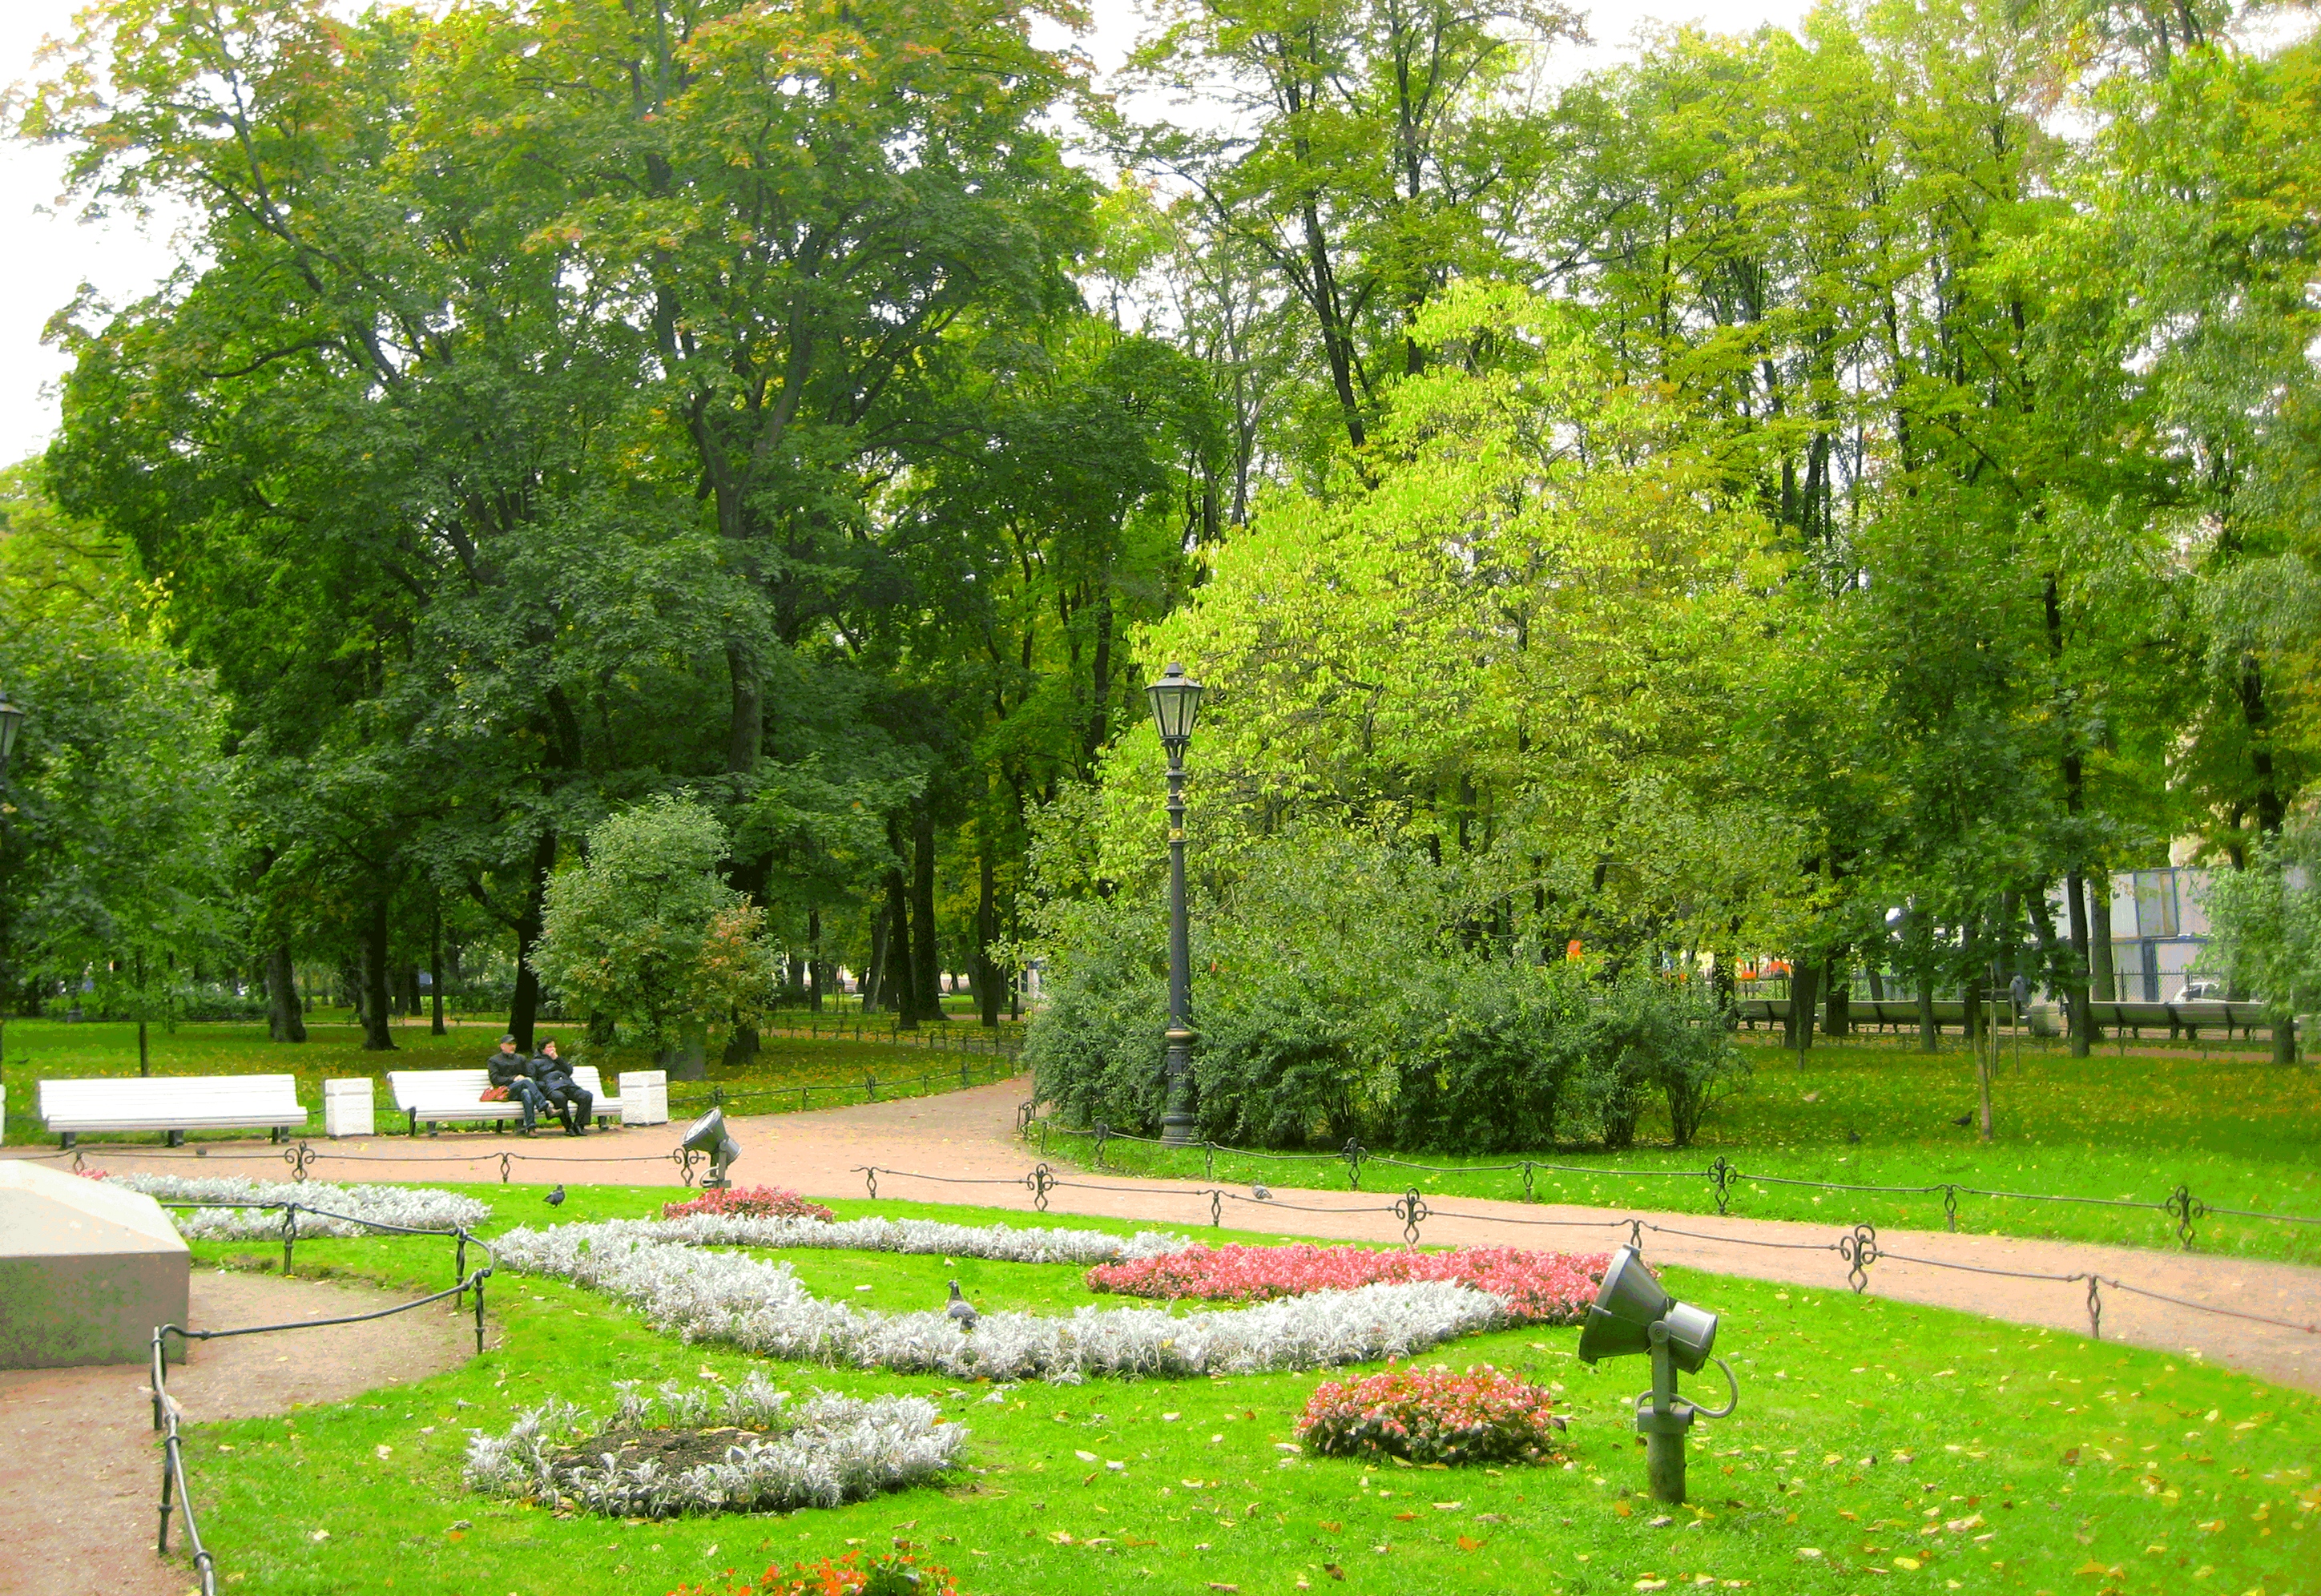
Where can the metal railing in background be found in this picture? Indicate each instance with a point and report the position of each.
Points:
(2184, 1209)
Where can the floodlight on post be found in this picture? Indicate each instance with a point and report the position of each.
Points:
(1633, 1313)
(1176, 700)
(707, 1134)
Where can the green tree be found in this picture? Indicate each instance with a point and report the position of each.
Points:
(646, 934)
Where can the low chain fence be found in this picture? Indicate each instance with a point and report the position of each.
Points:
(960, 1036)
(169, 1416)
(1856, 1246)
(2184, 1211)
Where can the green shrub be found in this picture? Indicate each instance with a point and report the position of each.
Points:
(1646, 1035)
(1095, 1046)
(1492, 1048)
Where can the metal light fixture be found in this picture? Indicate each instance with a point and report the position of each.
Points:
(11, 718)
(1176, 700)
(1633, 1313)
(707, 1134)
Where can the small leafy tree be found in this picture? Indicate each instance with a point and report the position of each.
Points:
(2268, 924)
(647, 934)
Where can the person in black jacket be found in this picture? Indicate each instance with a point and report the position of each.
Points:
(574, 1102)
(513, 1070)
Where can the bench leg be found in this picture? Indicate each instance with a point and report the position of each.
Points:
(414, 1128)
(65, 1139)
(177, 1138)
(431, 1129)
(275, 1135)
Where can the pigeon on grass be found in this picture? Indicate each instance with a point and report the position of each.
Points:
(961, 1308)
(555, 1198)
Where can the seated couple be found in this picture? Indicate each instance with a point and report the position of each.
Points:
(543, 1082)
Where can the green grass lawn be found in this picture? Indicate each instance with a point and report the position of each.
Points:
(1950, 1451)
(835, 1067)
(2237, 1131)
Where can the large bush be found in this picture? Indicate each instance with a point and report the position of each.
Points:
(1304, 1043)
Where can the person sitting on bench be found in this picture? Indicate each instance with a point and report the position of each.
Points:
(573, 1101)
(512, 1072)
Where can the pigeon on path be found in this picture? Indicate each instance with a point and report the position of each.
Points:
(1261, 1193)
(961, 1308)
(555, 1198)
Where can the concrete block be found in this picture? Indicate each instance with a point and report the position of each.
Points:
(87, 1268)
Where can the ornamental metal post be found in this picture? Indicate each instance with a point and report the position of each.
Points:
(1175, 700)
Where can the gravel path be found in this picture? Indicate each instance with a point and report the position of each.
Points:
(966, 1136)
(80, 1488)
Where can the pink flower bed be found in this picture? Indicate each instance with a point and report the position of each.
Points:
(1432, 1415)
(1538, 1288)
(748, 1202)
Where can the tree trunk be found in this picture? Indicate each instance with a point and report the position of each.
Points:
(926, 983)
(872, 987)
(2105, 980)
(2075, 977)
(1804, 993)
(283, 1022)
(1930, 1031)
(901, 967)
(988, 977)
(145, 1058)
(741, 1046)
(813, 973)
(523, 1008)
(378, 1036)
(435, 972)
(1837, 1005)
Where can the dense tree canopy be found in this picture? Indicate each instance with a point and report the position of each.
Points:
(1834, 495)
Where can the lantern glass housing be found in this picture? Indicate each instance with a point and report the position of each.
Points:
(11, 718)
(1176, 698)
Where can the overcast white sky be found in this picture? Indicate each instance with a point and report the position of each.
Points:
(45, 255)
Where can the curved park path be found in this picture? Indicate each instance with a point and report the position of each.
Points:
(79, 1493)
(966, 1138)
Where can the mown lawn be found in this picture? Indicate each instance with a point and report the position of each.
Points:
(2234, 1130)
(835, 1067)
(1878, 1447)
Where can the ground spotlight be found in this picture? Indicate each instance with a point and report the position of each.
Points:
(707, 1134)
(1633, 1314)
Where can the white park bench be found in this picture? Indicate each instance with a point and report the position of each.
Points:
(172, 1103)
(456, 1097)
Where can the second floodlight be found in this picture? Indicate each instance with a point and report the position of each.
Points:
(707, 1134)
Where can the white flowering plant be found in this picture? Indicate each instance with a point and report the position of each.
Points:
(414, 1207)
(762, 1307)
(658, 1459)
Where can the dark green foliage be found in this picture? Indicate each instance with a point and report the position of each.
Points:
(1095, 1048)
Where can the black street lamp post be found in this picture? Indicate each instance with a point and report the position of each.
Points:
(1176, 698)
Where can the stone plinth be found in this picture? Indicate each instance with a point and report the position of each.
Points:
(87, 1268)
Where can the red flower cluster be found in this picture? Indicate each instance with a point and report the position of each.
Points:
(1538, 1288)
(891, 1573)
(1432, 1415)
(748, 1202)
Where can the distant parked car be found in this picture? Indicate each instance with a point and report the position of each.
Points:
(2202, 991)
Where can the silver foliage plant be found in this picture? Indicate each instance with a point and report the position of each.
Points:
(416, 1208)
(762, 1308)
(823, 1451)
(1002, 1243)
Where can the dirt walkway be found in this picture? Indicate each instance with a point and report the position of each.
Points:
(965, 1137)
(78, 1497)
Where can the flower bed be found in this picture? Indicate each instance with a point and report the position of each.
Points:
(760, 1307)
(414, 1207)
(749, 1202)
(1538, 1288)
(1003, 1244)
(659, 1459)
(890, 1574)
(1432, 1416)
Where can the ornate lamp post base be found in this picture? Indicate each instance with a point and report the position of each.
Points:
(1178, 1122)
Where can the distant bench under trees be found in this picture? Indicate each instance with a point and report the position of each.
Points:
(1896, 1015)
